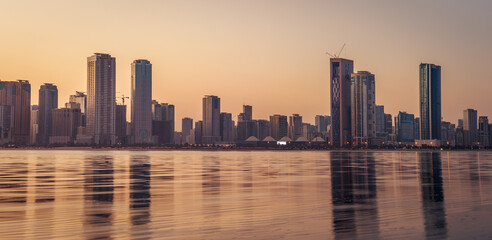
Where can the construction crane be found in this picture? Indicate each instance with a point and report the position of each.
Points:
(123, 98)
(336, 55)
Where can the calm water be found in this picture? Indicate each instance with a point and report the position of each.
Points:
(245, 195)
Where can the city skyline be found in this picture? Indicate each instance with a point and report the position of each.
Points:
(282, 49)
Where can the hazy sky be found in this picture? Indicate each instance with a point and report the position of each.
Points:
(269, 54)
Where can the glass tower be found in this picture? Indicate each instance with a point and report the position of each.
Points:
(430, 101)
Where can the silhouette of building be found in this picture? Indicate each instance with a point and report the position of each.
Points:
(363, 108)
(404, 123)
(186, 128)
(18, 95)
(226, 127)
(48, 100)
(321, 123)
(470, 126)
(163, 121)
(101, 101)
(141, 101)
(65, 124)
(483, 131)
(263, 129)
(120, 127)
(211, 120)
(34, 124)
(341, 70)
(81, 99)
(295, 127)
(278, 125)
(430, 101)
(6, 124)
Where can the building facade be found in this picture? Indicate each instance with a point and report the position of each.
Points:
(18, 95)
(101, 98)
(141, 101)
(278, 124)
(211, 120)
(6, 124)
(295, 127)
(363, 108)
(65, 122)
(483, 131)
(226, 127)
(404, 123)
(340, 76)
(470, 126)
(186, 127)
(48, 100)
(430, 101)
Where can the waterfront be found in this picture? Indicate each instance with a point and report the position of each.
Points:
(245, 194)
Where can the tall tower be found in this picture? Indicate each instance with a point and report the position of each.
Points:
(430, 101)
(48, 100)
(211, 120)
(341, 70)
(470, 126)
(363, 102)
(18, 95)
(278, 126)
(142, 101)
(101, 105)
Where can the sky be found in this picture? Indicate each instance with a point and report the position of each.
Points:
(266, 53)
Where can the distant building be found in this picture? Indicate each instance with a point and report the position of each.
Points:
(448, 135)
(101, 98)
(65, 122)
(246, 126)
(340, 73)
(295, 127)
(248, 112)
(308, 131)
(34, 124)
(388, 123)
(226, 127)
(81, 99)
(416, 129)
(6, 124)
(490, 135)
(278, 124)
(18, 95)
(198, 132)
(48, 100)
(141, 112)
(263, 129)
(121, 124)
(483, 131)
(211, 120)
(321, 123)
(380, 122)
(404, 127)
(363, 108)
(186, 128)
(430, 101)
(470, 126)
(164, 121)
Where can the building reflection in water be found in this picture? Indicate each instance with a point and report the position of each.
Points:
(353, 179)
(13, 197)
(432, 195)
(45, 194)
(140, 195)
(211, 191)
(99, 196)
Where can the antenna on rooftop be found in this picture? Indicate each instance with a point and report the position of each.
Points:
(336, 55)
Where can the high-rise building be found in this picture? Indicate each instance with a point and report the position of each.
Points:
(34, 124)
(6, 124)
(490, 135)
(321, 123)
(48, 100)
(163, 122)
(120, 124)
(341, 70)
(186, 127)
(81, 99)
(363, 108)
(447, 133)
(18, 95)
(211, 120)
(226, 127)
(295, 127)
(470, 126)
(198, 132)
(404, 127)
(248, 112)
(278, 126)
(65, 124)
(142, 101)
(483, 131)
(101, 98)
(388, 123)
(380, 122)
(263, 129)
(416, 129)
(430, 101)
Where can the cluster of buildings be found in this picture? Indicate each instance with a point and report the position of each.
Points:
(95, 118)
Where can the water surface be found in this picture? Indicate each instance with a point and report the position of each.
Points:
(245, 195)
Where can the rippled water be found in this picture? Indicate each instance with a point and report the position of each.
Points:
(245, 195)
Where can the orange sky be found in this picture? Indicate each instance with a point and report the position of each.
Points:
(269, 54)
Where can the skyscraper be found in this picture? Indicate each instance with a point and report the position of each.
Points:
(65, 124)
(341, 70)
(248, 112)
(48, 100)
(483, 131)
(211, 120)
(321, 122)
(18, 95)
(101, 101)
(81, 99)
(470, 126)
(6, 123)
(363, 107)
(404, 123)
(430, 101)
(278, 126)
(120, 124)
(380, 119)
(226, 127)
(142, 101)
(186, 127)
(295, 127)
